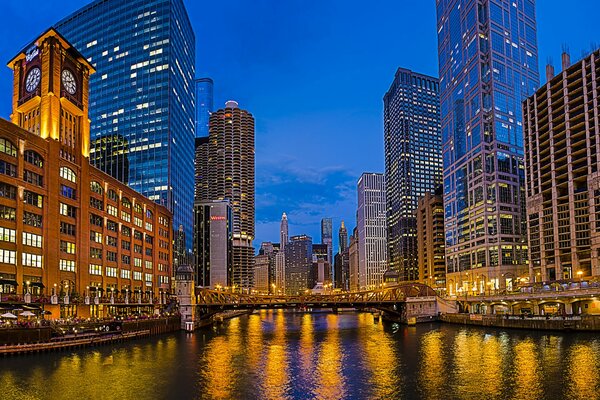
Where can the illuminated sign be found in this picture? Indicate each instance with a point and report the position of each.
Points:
(31, 53)
(217, 218)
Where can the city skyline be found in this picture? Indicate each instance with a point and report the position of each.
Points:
(339, 116)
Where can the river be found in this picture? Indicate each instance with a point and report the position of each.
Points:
(286, 355)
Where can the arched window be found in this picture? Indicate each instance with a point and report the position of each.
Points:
(112, 195)
(34, 158)
(95, 187)
(7, 147)
(68, 174)
(149, 214)
(138, 208)
(125, 202)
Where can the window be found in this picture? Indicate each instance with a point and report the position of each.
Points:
(8, 256)
(125, 231)
(8, 191)
(111, 241)
(96, 237)
(7, 147)
(8, 213)
(8, 168)
(163, 221)
(125, 245)
(137, 276)
(112, 210)
(137, 236)
(95, 253)
(31, 239)
(111, 272)
(96, 220)
(33, 178)
(111, 226)
(95, 269)
(67, 247)
(32, 219)
(33, 158)
(137, 248)
(149, 239)
(148, 277)
(33, 198)
(163, 279)
(96, 203)
(68, 174)
(125, 216)
(137, 221)
(138, 208)
(32, 260)
(148, 226)
(111, 256)
(67, 229)
(125, 259)
(95, 187)
(149, 214)
(112, 195)
(137, 262)
(67, 210)
(126, 203)
(68, 191)
(148, 264)
(8, 235)
(66, 265)
(125, 274)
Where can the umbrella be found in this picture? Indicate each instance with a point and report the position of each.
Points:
(8, 315)
(27, 314)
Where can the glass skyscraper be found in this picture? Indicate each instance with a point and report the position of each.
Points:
(413, 164)
(204, 105)
(488, 65)
(142, 94)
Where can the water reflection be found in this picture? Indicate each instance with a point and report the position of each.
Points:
(281, 355)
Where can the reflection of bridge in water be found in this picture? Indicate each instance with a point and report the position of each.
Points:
(399, 302)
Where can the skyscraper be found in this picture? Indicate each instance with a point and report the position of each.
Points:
(488, 65)
(283, 232)
(371, 230)
(298, 263)
(341, 266)
(143, 90)
(430, 241)
(230, 176)
(343, 237)
(204, 105)
(201, 170)
(413, 162)
(327, 237)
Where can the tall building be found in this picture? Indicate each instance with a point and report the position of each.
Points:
(342, 238)
(261, 273)
(270, 250)
(204, 105)
(353, 262)
(111, 156)
(144, 55)
(279, 287)
(413, 162)
(327, 237)
(213, 241)
(201, 170)
(230, 176)
(283, 232)
(298, 262)
(372, 230)
(430, 241)
(321, 269)
(488, 66)
(562, 143)
(73, 237)
(341, 266)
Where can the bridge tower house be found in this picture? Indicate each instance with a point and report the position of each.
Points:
(184, 287)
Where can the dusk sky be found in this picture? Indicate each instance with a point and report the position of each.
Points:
(313, 73)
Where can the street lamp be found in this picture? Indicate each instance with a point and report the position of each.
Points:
(580, 275)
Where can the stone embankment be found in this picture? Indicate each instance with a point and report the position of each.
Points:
(558, 323)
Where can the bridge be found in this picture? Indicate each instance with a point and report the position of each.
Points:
(399, 302)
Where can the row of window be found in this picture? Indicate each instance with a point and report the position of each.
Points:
(28, 260)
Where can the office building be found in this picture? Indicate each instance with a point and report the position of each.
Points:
(327, 237)
(298, 263)
(341, 266)
(321, 269)
(201, 170)
(413, 164)
(487, 66)
(74, 238)
(204, 105)
(261, 274)
(430, 241)
(283, 232)
(143, 90)
(562, 144)
(111, 156)
(213, 244)
(353, 262)
(372, 230)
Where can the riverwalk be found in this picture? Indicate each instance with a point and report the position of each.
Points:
(534, 323)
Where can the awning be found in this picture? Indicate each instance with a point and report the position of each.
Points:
(8, 282)
(38, 284)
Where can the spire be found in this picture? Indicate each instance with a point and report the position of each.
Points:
(342, 224)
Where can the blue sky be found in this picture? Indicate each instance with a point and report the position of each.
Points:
(313, 73)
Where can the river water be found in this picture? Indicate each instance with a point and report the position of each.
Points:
(286, 355)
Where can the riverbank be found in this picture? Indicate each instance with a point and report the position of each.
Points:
(34, 340)
(585, 323)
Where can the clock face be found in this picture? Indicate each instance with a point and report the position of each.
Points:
(33, 79)
(68, 81)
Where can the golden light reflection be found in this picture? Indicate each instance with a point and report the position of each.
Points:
(254, 341)
(583, 371)
(306, 350)
(275, 381)
(527, 371)
(329, 381)
(479, 359)
(380, 358)
(432, 374)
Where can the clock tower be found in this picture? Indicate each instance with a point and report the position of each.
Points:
(50, 94)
